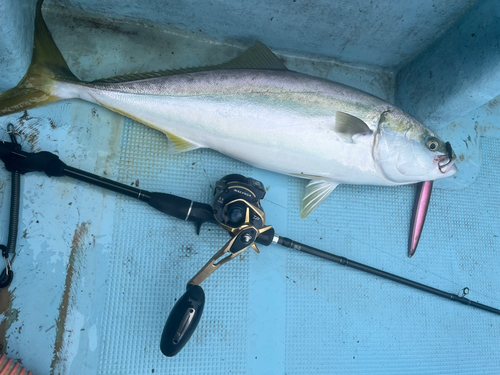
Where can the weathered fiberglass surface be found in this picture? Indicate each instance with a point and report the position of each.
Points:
(97, 273)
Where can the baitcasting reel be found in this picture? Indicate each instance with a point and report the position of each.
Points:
(237, 209)
(235, 193)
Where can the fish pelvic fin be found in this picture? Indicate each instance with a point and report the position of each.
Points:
(47, 67)
(316, 192)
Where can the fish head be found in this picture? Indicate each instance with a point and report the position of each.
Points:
(406, 151)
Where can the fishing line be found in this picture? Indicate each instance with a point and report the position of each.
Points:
(370, 246)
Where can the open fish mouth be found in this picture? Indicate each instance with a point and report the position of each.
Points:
(446, 162)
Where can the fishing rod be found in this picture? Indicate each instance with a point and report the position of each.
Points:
(236, 208)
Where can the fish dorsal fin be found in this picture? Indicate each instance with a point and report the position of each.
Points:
(316, 192)
(346, 126)
(256, 57)
(176, 144)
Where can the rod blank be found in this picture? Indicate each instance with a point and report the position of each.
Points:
(287, 242)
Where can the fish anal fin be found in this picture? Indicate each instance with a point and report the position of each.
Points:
(346, 126)
(256, 57)
(177, 144)
(316, 192)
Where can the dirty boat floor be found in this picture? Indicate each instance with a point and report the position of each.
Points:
(97, 273)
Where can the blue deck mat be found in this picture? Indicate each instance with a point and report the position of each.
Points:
(284, 312)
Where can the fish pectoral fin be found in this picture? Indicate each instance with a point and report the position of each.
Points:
(256, 57)
(176, 144)
(316, 192)
(346, 126)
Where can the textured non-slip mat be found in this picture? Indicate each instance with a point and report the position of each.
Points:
(283, 312)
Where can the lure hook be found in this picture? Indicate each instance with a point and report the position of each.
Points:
(451, 158)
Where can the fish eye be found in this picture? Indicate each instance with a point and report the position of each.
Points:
(432, 144)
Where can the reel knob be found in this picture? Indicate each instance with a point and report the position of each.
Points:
(183, 320)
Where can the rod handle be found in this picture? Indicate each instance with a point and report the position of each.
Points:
(182, 208)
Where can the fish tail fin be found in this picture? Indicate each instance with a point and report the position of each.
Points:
(47, 67)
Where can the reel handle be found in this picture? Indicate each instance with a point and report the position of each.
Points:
(182, 320)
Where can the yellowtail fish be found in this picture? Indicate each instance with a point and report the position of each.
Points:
(254, 109)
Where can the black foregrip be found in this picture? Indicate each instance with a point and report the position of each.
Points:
(170, 204)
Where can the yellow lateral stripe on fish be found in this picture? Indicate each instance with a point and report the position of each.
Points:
(254, 109)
